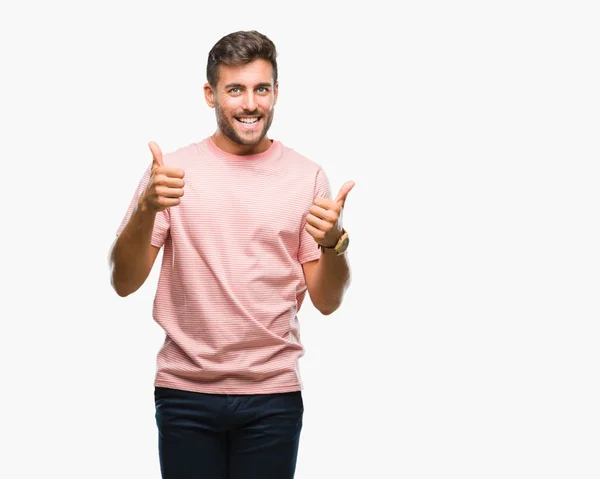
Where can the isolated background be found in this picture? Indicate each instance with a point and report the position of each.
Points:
(468, 344)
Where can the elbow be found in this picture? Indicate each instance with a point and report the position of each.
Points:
(122, 288)
(122, 293)
(328, 306)
(119, 289)
(328, 309)
(112, 272)
(332, 304)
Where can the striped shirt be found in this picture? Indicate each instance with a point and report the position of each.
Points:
(231, 282)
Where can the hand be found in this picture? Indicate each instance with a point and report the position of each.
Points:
(165, 187)
(324, 220)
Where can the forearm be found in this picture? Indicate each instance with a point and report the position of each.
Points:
(131, 256)
(331, 280)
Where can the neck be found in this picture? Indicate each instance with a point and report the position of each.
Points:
(225, 144)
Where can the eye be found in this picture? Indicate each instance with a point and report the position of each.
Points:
(262, 89)
(235, 91)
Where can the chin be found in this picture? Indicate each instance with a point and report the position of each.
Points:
(250, 140)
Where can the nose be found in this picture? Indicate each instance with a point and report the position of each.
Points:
(250, 102)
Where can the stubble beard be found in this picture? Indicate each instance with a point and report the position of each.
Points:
(229, 131)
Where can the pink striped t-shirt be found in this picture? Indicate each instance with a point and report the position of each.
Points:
(231, 282)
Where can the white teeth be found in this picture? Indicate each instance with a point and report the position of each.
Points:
(248, 120)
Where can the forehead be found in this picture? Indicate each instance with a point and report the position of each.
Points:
(257, 71)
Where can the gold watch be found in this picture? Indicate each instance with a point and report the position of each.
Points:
(340, 247)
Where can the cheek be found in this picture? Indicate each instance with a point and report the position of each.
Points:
(267, 103)
(228, 105)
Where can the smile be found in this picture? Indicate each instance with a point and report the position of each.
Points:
(249, 123)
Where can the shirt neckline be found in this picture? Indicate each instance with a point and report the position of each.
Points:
(255, 158)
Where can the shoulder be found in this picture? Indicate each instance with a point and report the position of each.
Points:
(300, 161)
(183, 155)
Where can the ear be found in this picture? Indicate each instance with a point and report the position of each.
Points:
(209, 95)
(275, 93)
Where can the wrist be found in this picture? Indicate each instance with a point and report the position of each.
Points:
(334, 243)
(145, 208)
(340, 246)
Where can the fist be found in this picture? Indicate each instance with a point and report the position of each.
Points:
(324, 219)
(165, 187)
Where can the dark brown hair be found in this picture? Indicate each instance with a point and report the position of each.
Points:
(240, 48)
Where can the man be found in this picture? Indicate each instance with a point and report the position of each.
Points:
(255, 230)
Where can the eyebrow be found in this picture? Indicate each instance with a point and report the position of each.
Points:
(239, 85)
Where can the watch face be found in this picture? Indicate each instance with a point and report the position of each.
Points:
(344, 246)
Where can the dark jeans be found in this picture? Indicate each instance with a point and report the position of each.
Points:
(223, 436)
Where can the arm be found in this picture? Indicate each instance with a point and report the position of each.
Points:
(327, 280)
(132, 254)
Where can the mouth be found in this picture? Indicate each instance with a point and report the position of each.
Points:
(248, 122)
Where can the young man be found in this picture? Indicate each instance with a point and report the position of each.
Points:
(255, 230)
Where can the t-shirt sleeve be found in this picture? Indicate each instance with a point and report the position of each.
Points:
(162, 220)
(308, 250)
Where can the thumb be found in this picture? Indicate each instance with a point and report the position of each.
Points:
(157, 157)
(344, 190)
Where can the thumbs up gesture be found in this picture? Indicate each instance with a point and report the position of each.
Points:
(165, 187)
(324, 220)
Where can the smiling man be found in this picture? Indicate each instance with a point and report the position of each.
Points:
(248, 227)
(244, 108)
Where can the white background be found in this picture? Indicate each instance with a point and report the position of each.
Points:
(468, 344)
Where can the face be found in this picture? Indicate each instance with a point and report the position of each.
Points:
(244, 101)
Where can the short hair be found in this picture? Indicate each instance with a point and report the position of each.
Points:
(240, 48)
